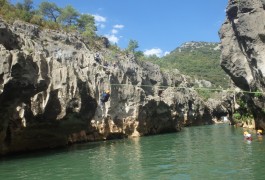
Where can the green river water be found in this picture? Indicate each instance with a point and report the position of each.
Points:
(206, 152)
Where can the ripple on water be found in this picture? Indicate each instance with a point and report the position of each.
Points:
(207, 152)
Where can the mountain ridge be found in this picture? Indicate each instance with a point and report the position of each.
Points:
(198, 59)
(197, 45)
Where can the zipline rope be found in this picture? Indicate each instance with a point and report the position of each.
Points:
(205, 89)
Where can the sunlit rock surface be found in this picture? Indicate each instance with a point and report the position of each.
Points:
(243, 51)
(50, 86)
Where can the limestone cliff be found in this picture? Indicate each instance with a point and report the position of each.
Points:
(50, 85)
(243, 51)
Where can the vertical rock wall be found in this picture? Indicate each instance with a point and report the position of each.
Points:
(243, 51)
(50, 85)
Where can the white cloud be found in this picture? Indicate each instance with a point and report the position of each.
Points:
(166, 53)
(114, 31)
(102, 26)
(99, 18)
(155, 51)
(112, 38)
(118, 26)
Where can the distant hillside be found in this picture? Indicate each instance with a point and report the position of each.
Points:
(196, 59)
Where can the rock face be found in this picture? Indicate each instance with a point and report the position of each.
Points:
(50, 86)
(243, 51)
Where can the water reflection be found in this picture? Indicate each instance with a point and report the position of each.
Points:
(118, 159)
(208, 152)
(260, 138)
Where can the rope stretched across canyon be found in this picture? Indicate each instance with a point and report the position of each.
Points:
(194, 88)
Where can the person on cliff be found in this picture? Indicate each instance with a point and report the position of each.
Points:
(104, 98)
(97, 58)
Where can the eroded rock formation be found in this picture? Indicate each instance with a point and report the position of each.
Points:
(50, 85)
(243, 51)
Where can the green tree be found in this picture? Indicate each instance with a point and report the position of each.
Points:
(86, 20)
(3, 2)
(36, 19)
(132, 46)
(139, 54)
(69, 15)
(24, 11)
(86, 24)
(50, 11)
(6, 10)
(27, 5)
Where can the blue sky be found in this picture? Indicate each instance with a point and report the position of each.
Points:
(159, 26)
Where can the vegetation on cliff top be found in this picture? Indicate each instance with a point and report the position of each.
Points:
(49, 15)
